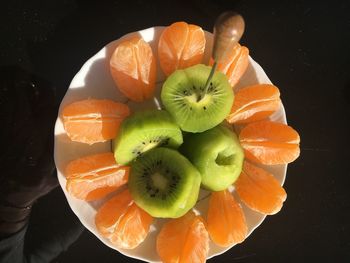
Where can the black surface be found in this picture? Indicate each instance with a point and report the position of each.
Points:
(304, 49)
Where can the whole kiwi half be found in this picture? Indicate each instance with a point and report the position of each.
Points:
(193, 107)
(217, 155)
(143, 131)
(164, 183)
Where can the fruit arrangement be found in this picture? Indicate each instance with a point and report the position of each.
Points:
(208, 136)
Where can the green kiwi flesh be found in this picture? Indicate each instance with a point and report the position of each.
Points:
(194, 108)
(164, 183)
(143, 131)
(217, 155)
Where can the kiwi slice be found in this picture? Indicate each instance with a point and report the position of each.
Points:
(164, 183)
(217, 155)
(194, 108)
(143, 131)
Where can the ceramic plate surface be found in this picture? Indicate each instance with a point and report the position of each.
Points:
(94, 81)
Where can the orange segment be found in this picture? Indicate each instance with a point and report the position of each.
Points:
(226, 220)
(266, 131)
(183, 240)
(122, 222)
(93, 177)
(270, 143)
(238, 66)
(133, 68)
(180, 46)
(193, 51)
(227, 61)
(259, 190)
(111, 211)
(254, 103)
(91, 121)
(235, 64)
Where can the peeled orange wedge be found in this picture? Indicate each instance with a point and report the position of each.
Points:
(133, 68)
(226, 220)
(254, 103)
(183, 240)
(122, 222)
(260, 190)
(235, 64)
(181, 45)
(91, 121)
(270, 143)
(93, 177)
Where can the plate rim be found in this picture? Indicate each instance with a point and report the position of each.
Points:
(60, 176)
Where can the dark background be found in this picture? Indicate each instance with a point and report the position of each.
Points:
(303, 47)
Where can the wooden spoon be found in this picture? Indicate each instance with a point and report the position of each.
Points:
(228, 30)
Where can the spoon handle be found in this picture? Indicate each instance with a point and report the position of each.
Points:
(228, 30)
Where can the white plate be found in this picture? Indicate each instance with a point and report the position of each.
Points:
(94, 81)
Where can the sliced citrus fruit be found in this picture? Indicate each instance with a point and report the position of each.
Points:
(254, 103)
(181, 45)
(122, 222)
(133, 68)
(90, 121)
(270, 143)
(183, 240)
(260, 190)
(235, 63)
(93, 177)
(226, 221)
